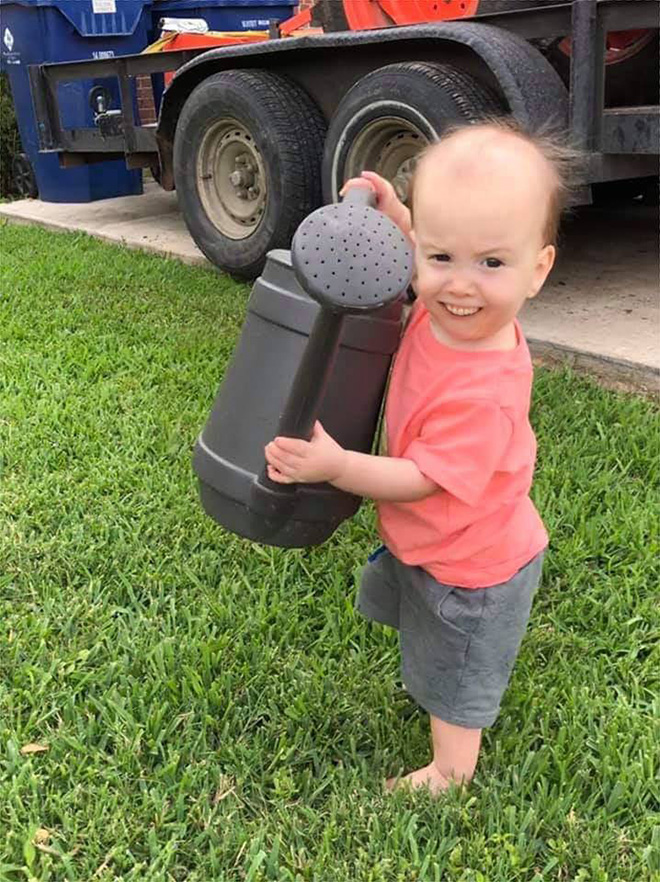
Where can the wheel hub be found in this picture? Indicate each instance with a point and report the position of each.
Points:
(231, 179)
(388, 146)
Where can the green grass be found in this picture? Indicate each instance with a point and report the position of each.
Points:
(215, 710)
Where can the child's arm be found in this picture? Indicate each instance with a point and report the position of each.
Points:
(392, 479)
(386, 199)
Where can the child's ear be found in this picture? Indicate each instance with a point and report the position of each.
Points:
(544, 264)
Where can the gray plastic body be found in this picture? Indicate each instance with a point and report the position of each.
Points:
(229, 454)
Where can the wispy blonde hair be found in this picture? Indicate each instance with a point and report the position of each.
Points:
(566, 162)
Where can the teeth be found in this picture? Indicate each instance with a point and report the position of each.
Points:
(461, 310)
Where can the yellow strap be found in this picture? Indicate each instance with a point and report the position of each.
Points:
(161, 44)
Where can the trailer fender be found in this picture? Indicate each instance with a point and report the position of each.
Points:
(525, 80)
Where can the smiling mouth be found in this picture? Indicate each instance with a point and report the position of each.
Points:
(461, 310)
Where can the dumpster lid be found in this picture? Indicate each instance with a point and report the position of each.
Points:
(218, 4)
(95, 18)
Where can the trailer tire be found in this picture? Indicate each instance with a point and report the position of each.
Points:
(247, 166)
(392, 113)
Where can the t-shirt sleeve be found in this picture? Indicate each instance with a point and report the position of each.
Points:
(460, 445)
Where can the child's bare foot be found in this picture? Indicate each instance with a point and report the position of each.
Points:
(429, 776)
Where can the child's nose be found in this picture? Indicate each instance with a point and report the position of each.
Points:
(460, 282)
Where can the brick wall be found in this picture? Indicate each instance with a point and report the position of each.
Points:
(145, 100)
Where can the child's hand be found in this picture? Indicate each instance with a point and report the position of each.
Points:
(293, 461)
(385, 194)
(386, 199)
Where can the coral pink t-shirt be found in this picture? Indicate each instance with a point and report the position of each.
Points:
(463, 418)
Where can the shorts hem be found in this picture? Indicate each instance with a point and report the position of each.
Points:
(447, 715)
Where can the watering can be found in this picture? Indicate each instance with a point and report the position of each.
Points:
(323, 322)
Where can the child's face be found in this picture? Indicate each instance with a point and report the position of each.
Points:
(478, 233)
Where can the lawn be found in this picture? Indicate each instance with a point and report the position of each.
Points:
(214, 710)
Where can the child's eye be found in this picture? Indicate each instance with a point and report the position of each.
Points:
(440, 258)
(493, 262)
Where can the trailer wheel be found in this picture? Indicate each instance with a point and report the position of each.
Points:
(247, 166)
(391, 114)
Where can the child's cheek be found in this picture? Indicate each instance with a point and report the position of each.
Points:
(498, 286)
(424, 278)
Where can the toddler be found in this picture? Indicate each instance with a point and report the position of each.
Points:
(463, 542)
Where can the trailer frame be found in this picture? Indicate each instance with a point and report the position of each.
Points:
(620, 142)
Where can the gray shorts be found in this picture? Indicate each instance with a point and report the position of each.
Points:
(458, 645)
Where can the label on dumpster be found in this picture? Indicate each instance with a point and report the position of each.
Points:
(103, 6)
(8, 54)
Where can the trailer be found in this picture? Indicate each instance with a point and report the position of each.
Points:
(254, 137)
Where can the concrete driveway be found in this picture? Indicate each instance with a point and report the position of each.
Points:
(599, 311)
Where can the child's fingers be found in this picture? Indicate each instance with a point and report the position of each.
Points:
(294, 446)
(381, 185)
(354, 182)
(373, 178)
(274, 450)
(282, 463)
(278, 477)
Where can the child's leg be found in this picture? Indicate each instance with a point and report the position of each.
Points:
(455, 752)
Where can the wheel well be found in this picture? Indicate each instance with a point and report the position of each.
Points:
(346, 64)
(327, 67)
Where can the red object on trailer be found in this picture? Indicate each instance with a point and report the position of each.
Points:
(367, 14)
(300, 20)
(171, 42)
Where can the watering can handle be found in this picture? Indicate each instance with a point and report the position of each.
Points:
(302, 407)
(270, 500)
(361, 196)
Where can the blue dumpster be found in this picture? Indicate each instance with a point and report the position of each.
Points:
(36, 31)
(226, 15)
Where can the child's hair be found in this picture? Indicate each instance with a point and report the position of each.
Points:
(565, 161)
